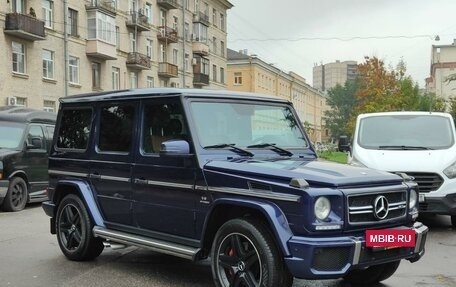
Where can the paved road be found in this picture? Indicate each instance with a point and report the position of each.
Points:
(30, 256)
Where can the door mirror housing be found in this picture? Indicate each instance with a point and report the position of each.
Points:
(36, 143)
(344, 144)
(175, 148)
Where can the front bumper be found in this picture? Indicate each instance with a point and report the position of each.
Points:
(3, 189)
(334, 257)
(445, 205)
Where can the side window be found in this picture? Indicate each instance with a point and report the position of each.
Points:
(50, 130)
(35, 138)
(74, 129)
(162, 122)
(116, 128)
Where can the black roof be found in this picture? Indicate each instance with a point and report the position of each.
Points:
(157, 92)
(25, 115)
(233, 55)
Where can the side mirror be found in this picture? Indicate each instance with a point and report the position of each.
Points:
(344, 144)
(36, 143)
(175, 148)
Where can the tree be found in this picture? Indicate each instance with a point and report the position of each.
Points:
(341, 100)
(431, 102)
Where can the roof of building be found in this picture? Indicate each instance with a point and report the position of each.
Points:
(25, 115)
(233, 55)
(158, 92)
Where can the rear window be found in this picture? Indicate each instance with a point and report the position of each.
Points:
(74, 131)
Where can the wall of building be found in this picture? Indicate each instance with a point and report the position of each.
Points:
(329, 75)
(443, 64)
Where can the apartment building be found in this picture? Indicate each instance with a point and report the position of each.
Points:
(443, 64)
(248, 73)
(327, 76)
(109, 45)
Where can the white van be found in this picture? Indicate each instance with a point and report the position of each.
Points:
(420, 144)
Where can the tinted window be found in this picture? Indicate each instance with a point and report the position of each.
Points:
(74, 129)
(10, 135)
(116, 127)
(50, 130)
(35, 137)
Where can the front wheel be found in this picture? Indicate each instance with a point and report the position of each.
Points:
(17, 195)
(244, 254)
(74, 230)
(372, 274)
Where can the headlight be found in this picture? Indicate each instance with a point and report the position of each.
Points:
(450, 171)
(322, 208)
(413, 198)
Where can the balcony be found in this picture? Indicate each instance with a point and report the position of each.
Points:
(167, 70)
(168, 4)
(138, 21)
(101, 50)
(24, 26)
(200, 48)
(167, 34)
(200, 79)
(105, 6)
(201, 17)
(138, 61)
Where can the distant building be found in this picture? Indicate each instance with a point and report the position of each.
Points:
(327, 76)
(248, 73)
(443, 64)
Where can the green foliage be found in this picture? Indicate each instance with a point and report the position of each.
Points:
(334, 156)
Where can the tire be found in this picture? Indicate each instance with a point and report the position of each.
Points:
(74, 230)
(245, 254)
(17, 195)
(373, 274)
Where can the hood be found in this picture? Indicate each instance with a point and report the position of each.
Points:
(317, 173)
(7, 152)
(406, 160)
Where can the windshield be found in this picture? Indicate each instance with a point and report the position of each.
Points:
(406, 131)
(246, 124)
(10, 135)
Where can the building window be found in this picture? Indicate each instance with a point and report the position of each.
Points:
(196, 5)
(187, 4)
(18, 6)
(175, 56)
(150, 82)
(48, 64)
(21, 102)
(96, 72)
(222, 48)
(162, 53)
(222, 22)
(222, 75)
(73, 22)
(187, 32)
(117, 37)
(115, 72)
(214, 17)
(175, 23)
(186, 63)
(148, 12)
(238, 78)
(149, 48)
(73, 65)
(49, 106)
(18, 57)
(47, 13)
(133, 80)
(200, 32)
(101, 27)
(132, 42)
(214, 45)
(214, 73)
(133, 5)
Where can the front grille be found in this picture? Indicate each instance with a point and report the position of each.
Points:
(330, 258)
(427, 181)
(369, 255)
(361, 207)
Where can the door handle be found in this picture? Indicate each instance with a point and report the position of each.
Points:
(95, 176)
(140, 181)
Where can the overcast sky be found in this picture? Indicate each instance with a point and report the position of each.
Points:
(270, 20)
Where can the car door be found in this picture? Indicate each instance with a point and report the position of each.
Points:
(35, 160)
(163, 194)
(111, 165)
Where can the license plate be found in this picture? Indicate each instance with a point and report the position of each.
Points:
(421, 197)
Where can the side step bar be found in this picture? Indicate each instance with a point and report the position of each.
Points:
(160, 246)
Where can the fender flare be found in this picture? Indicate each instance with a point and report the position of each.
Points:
(274, 215)
(87, 196)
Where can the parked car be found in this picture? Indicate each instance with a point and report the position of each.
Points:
(221, 175)
(421, 144)
(25, 140)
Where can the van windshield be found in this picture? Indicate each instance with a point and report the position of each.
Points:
(406, 132)
(247, 125)
(10, 135)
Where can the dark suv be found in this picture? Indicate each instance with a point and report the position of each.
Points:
(224, 175)
(25, 140)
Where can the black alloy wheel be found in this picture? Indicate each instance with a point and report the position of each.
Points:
(70, 227)
(17, 195)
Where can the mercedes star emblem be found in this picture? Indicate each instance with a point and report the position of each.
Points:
(381, 207)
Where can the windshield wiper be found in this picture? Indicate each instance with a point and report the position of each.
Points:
(231, 147)
(273, 147)
(404, 147)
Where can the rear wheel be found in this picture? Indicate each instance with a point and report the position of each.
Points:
(74, 230)
(17, 195)
(244, 254)
(372, 274)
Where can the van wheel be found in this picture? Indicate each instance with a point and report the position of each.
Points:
(244, 254)
(74, 230)
(372, 274)
(17, 195)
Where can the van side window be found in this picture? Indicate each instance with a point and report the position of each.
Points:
(116, 128)
(35, 138)
(74, 129)
(162, 122)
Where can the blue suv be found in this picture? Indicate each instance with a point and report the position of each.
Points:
(221, 175)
